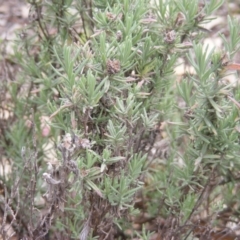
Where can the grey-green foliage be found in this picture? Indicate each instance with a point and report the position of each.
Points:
(212, 123)
(110, 82)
